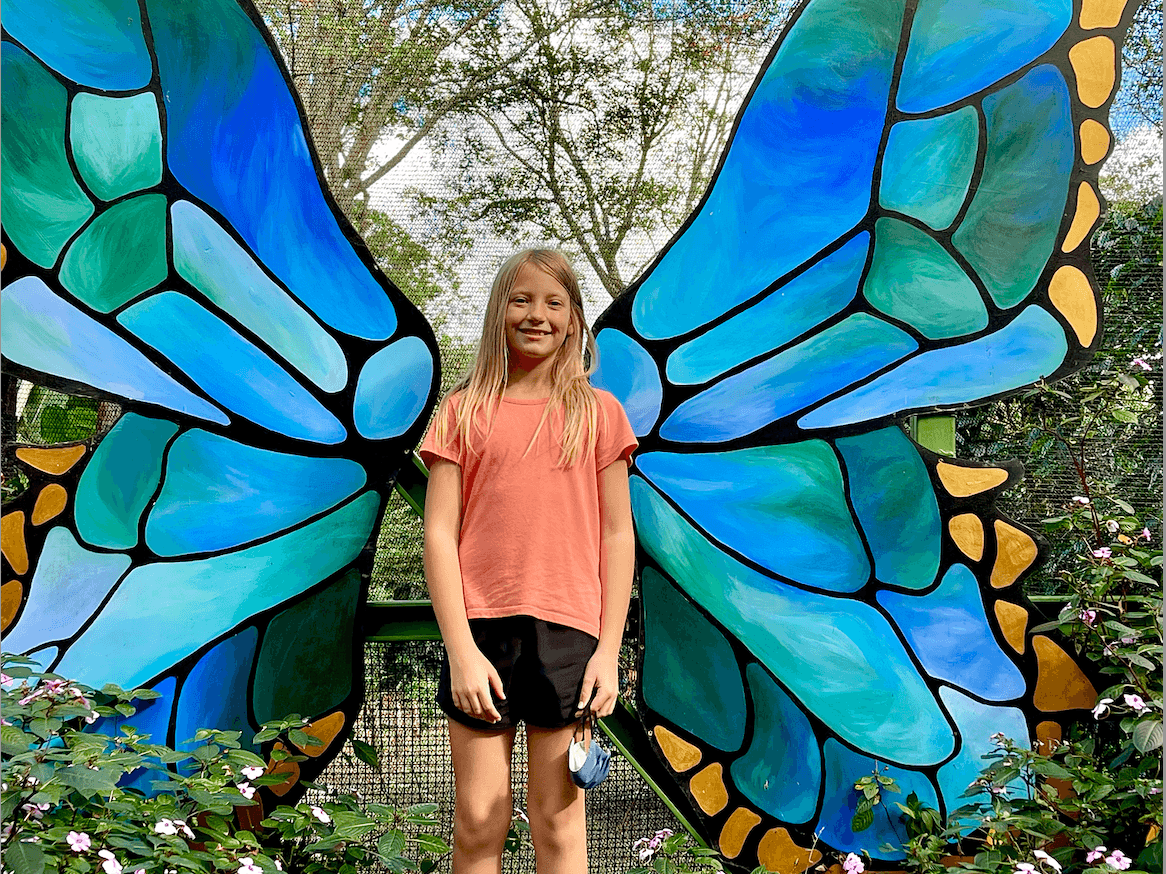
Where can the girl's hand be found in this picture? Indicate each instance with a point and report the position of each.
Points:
(472, 676)
(601, 678)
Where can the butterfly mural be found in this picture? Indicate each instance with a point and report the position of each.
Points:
(898, 225)
(169, 247)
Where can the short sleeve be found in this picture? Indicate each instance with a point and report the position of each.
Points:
(450, 449)
(616, 440)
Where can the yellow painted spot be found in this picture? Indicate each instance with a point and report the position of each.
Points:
(1101, 13)
(708, 788)
(1153, 833)
(52, 461)
(1060, 684)
(10, 595)
(292, 769)
(1094, 141)
(968, 533)
(49, 503)
(1095, 64)
(778, 852)
(964, 481)
(1070, 292)
(1088, 211)
(1015, 553)
(681, 755)
(1013, 621)
(325, 728)
(3, 256)
(736, 830)
(1048, 736)
(12, 541)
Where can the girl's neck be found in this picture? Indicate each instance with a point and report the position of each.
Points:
(533, 384)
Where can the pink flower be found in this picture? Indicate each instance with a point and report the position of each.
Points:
(1136, 703)
(246, 790)
(111, 865)
(852, 864)
(1118, 860)
(1146, 534)
(1089, 617)
(247, 866)
(4, 679)
(1025, 868)
(1103, 552)
(1140, 362)
(36, 811)
(1095, 854)
(321, 815)
(1080, 499)
(78, 842)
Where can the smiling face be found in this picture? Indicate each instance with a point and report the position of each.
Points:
(538, 317)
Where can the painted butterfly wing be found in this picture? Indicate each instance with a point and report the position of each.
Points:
(169, 246)
(898, 225)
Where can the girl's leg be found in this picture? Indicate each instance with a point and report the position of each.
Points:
(483, 806)
(558, 824)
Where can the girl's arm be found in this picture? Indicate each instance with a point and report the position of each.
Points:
(471, 674)
(617, 561)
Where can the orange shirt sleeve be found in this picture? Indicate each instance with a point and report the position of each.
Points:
(450, 450)
(616, 440)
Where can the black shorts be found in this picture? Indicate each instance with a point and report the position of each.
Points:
(541, 665)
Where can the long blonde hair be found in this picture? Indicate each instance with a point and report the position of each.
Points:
(480, 390)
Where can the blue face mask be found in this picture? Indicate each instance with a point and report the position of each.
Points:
(589, 765)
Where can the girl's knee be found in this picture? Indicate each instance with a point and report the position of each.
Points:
(482, 822)
(557, 826)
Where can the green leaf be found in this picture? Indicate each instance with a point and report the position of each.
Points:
(391, 843)
(366, 753)
(863, 818)
(1148, 735)
(89, 782)
(432, 844)
(14, 741)
(22, 858)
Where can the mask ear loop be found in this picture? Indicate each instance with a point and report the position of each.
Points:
(579, 735)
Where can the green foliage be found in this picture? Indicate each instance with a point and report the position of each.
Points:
(870, 789)
(671, 853)
(73, 798)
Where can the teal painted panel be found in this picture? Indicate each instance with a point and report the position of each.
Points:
(914, 280)
(690, 673)
(136, 638)
(213, 262)
(977, 724)
(219, 493)
(120, 255)
(66, 574)
(786, 312)
(839, 658)
(928, 166)
(238, 375)
(117, 143)
(305, 665)
(781, 772)
(42, 203)
(120, 480)
(1013, 221)
(948, 629)
(896, 506)
(392, 389)
(214, 693)
(783, 507)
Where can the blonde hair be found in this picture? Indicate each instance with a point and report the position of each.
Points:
(481, 388)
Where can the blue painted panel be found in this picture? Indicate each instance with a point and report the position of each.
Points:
(843, 768)
(790, 381)
(627, 371)
(69, 584)
(93, 42)
(781, 772)
(928, 166)
(788, 311)
(234, 139)
(977, 723)
(120, 480)
(959, 47)
(690, 672)
(783, 507)
(948, 629)
(1030, 348)
(790, 185)
(392, 389)
(43, 332)
(215, 691)
(219, 493)
(135, 637)
(237, 375)
(1012, 223)
(896, 506)
(210, 260)
(840, 659)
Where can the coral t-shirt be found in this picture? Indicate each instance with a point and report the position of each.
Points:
(530, 531)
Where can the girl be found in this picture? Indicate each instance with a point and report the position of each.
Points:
(529, 555)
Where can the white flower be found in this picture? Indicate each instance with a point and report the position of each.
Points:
(247, 866)
(1047, 859)
(165, 827)
(321, 815)
(111, 865)
(246, 790)
(1102, 708)
(252, 772)
(1095, 854)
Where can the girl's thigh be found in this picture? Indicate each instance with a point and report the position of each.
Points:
(481, 766)
(553, 799)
